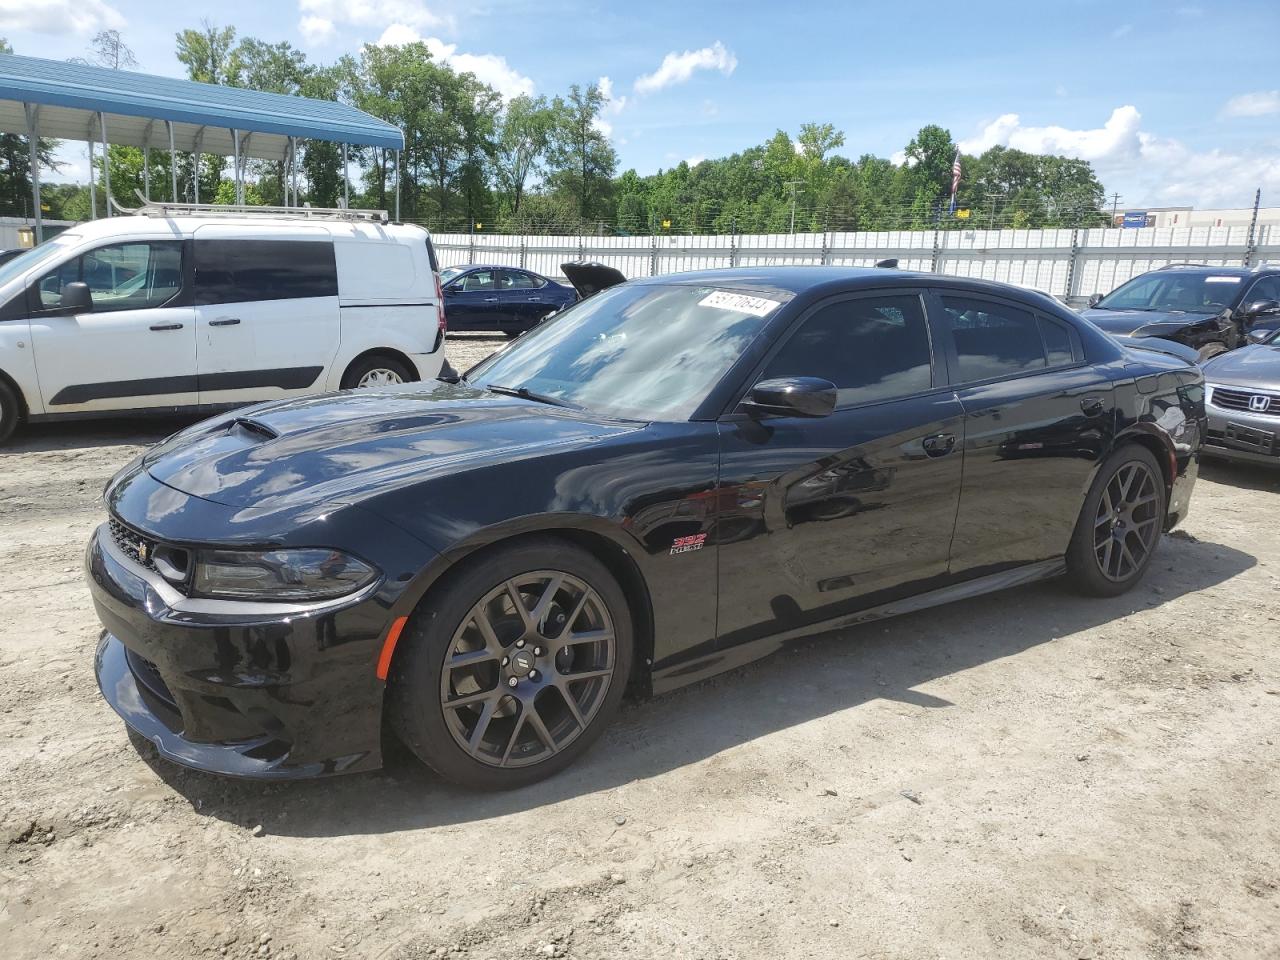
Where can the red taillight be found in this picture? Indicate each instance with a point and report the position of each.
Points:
(440, 306)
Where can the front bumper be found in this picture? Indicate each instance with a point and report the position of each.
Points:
(1242, 435)
(236, 689)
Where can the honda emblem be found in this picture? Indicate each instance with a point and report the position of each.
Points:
(1259, 404)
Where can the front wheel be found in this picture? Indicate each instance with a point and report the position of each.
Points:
(514, 668)
(8, 412)
(1119, 525)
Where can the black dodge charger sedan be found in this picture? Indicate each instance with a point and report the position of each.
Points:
(668, 479)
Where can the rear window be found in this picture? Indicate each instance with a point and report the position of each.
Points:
(431, 255)
(241, 271)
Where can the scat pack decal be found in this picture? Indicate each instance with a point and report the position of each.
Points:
(688, 544)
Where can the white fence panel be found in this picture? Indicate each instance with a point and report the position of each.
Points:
(1067, 263)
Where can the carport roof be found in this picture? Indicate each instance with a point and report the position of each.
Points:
(136, 105)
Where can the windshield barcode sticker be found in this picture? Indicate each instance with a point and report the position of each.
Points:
(1221, 279)
(740, 302)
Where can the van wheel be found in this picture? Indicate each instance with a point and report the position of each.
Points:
(8, 412)
(378, 370)
(1211, 350)
(1120, 524)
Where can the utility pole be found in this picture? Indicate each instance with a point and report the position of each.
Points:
(1253, 229)
(1115, 203)
(793, 184)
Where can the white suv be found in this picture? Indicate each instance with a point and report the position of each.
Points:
(160, 313)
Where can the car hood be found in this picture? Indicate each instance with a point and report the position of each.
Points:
(589, 278)
(1123, 323)
(340, 448)
(1256, 365)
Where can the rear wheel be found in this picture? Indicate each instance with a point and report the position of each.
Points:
(514, 669)
(1119, 525)
(8, 412)
(1211, 350)
(378, 370)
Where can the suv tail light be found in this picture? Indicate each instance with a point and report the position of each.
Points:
(440, 320)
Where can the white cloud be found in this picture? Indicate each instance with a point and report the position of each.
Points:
(1122, 31)
(1260, 103)
(317, 30)
(488, 67)
(60, 16)
(320, 19)
(679, 67)
(696, 159)
(1143, 167)
(613, 104)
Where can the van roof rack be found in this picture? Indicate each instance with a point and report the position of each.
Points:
(156, 208)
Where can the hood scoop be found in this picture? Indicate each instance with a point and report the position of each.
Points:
(256, 427)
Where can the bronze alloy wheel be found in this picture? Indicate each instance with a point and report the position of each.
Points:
(528, 668)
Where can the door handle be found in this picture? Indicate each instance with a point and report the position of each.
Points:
(939, 445)
(166, 326)
(1092, 406)
(224, 322)
(535, 299)
(490, 300)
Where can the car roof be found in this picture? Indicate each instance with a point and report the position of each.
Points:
(817, 280)
(124, 227)
(491, 266)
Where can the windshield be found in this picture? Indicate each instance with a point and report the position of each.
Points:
(1175, 291)
(637, 352)
(36, 257)
(448, 273)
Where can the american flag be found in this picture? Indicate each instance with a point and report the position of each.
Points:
(955, 180)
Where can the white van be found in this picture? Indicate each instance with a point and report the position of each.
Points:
(167, 312)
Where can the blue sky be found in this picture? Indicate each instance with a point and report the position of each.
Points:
(1174, 103)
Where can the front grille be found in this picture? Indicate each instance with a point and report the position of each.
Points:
(1233, 399)
(136, 547)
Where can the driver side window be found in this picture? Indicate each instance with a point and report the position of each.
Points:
(120, 276)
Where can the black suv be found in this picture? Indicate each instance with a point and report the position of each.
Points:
(1209, 309)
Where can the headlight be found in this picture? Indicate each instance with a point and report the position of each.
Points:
(279, 575)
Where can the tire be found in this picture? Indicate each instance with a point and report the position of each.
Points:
(1210, 350)
(377, 370)
(513, 749)
(9, 411)
(1133, 528)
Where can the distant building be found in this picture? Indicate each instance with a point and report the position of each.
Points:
(1190, 217)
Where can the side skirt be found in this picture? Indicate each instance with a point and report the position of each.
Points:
(701, 668)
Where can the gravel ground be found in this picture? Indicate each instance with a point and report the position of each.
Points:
(1027, 775)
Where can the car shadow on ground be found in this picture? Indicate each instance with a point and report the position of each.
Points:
(885, 660)
(93, 434)
(1245, 476)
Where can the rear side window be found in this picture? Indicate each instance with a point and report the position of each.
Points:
(1059, 343)
(517, 280)
(240, 271)
(872, 348)
(431, 255)
(994, 339)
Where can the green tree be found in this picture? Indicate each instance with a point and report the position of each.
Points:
(206, 53)
(582, 161)
(521, 147)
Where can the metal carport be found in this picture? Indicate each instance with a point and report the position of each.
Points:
(72, 101)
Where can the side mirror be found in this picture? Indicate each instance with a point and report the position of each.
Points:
(1259, 334)
(1262, 308)
(791, 397)
(76, 298)
(1094, 298)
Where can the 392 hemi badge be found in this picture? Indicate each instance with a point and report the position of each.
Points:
(688, 544)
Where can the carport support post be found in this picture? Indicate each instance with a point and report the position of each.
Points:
(173, 162)
(294, 173)
(106, 161)
(235, 154)
(346, 176)
(146, 172)
(397, 186)
(195, 176)
(33, 140)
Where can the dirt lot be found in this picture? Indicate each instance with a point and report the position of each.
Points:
(1027, 775)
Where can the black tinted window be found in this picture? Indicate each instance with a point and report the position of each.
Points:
(1058, 343)
(871, 349)
(994, 339)
(239, 271)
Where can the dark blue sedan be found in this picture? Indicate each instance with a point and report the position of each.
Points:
(507, 299)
